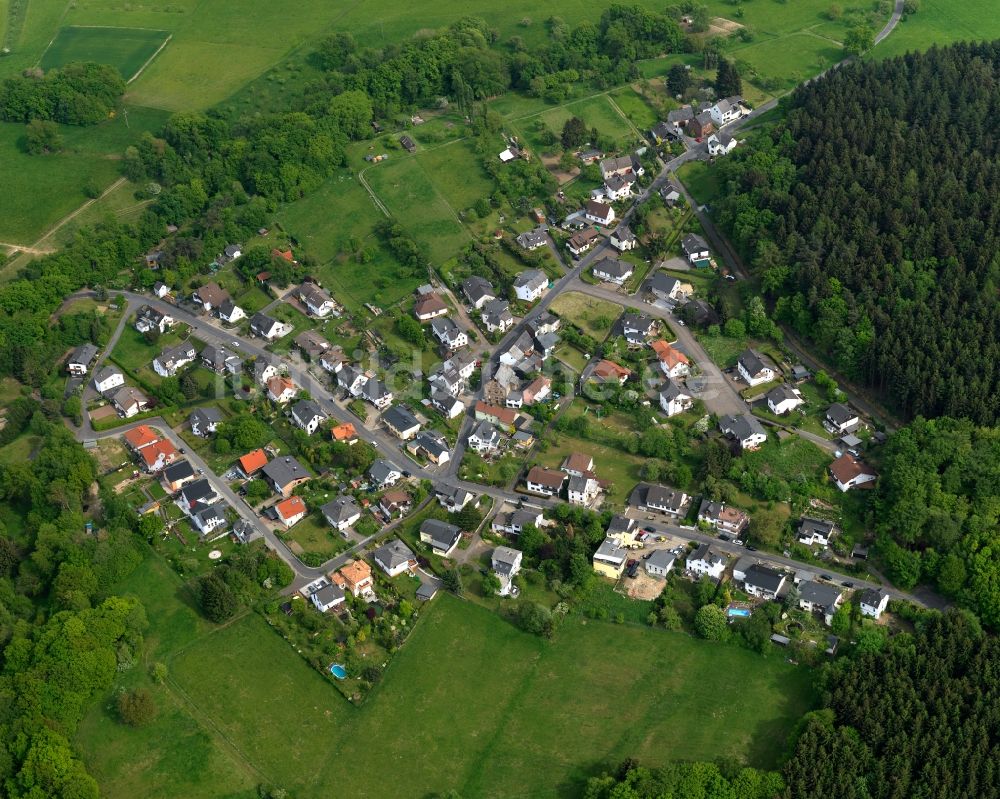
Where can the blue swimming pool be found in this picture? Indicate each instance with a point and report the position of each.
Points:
(742, 613)
(338, 671)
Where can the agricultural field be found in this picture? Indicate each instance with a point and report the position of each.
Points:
(126, 49)
(547, 691)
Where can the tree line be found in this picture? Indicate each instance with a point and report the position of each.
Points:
(871, 216)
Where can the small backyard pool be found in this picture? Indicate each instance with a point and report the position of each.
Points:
(338, 671)
(740, 613)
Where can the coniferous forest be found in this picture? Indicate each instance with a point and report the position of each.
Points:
(872, 216)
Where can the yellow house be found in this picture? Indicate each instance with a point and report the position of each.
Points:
(610, 559)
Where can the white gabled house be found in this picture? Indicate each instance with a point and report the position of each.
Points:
(599, 213)
(755, 368)
(783, 399)
(705, 561)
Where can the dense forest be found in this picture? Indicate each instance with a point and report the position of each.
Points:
(919, 720)
(937, 511)
(872, 216)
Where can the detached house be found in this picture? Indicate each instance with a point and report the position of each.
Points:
(172, 359)
(484, 439)
(210, 296)
(307, 416)
(848, 472)
(395, 557)
(873, 602)
(130, 401)
(623, 165)
(139, 437)
(706, 561)
(815, 531)
(506, 563)
(674, 399)
(108, 378)
(376, 392)
(158, 455)
(673, 362)
(316, 300)
(383, 474)
(311, 344)
(582, 489)
(823, 598)
(281, 390)
(441, 536)
(401, 422)
(669, 501)
(783, 399)
(610, 558)
(530, 284)
(285, 474)
(660, 562)
(196, 496)
(695, 249)
(755, 368)
(430, 445)
(265, 327)
(727, 110)
(444, 402)
(290, 511)
(221, 360)
(763, 581)
(533, 239)
(623, 239)
(449, 334)
(724, 518)
(841, 419)
(355, 577)
(497, 317)
(177, 475)
(514, 522)
(428, 307)
(252, 462)
(745, 429)
(231, 313)
(547, 482)
(612, 270)
(149, 318)
(328, 597)
(478, 291)
(395, 503)
(599, 213)
(80, 359)
(605, 371)
(721, 144)
(205, 421)
(581, 241)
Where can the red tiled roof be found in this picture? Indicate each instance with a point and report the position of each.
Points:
(141, 436)
(151, 453)
(253, 461)
(290, 507)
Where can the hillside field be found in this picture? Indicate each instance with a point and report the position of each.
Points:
(469, 703)
(126, 49)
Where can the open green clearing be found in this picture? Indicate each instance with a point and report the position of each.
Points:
(941, 22)
(127, 49)
(39, 190)
(592, 315)
(241, 707)
(701, 179)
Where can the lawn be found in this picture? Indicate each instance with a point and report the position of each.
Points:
(795, 460)
(645, 700)
(20, 450)
(40, 190)
(595, 111)
(316, 536)
(407, 191)
(610, 463)
(127, 49)
(592, 315)
(457, 173)
(702, 180)
(721, 349)
(788, 60)
(635, 107)
(942, 22)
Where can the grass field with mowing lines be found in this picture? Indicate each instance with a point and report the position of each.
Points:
(126, 49)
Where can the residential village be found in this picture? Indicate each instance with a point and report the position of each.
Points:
(588, 383)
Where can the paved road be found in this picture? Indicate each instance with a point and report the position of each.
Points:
(720, 396)
(736, 551)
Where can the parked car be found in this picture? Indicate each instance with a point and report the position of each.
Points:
(826, 577)
(641, 536)
(848, 584)
(649, 529)
(751, 548)
(724, 537)
(633, 568)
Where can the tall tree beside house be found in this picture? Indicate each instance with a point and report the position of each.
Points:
(727, 79)
(678, 79)
(574, 132)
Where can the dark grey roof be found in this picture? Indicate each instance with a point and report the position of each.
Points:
(341, 509)
(306, 410)
(284, 470)
(206, 416)
(399, 417)
(872, 596)
(105, 372)
(178, 471)
(329, 594)
(496, 311)
(662, 282)
(613, 267)
(503, 559)
(705, 552)
(764, 577)
(742, 426)
(262, 323)
(810, 525)
(531, 277)
(532, 238)
(781, 392)
(394, 554)
(661, 497)
(426, 591)
(672, 391)
(620, 524)
(476, 287)
(822, 594)
(662, 558)
(840, 414)
(374, 389)
(83, 354)
(381, 469)
(197, 490)
(434, 443)
(443, 535)
(692, 242)
(754, 362)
